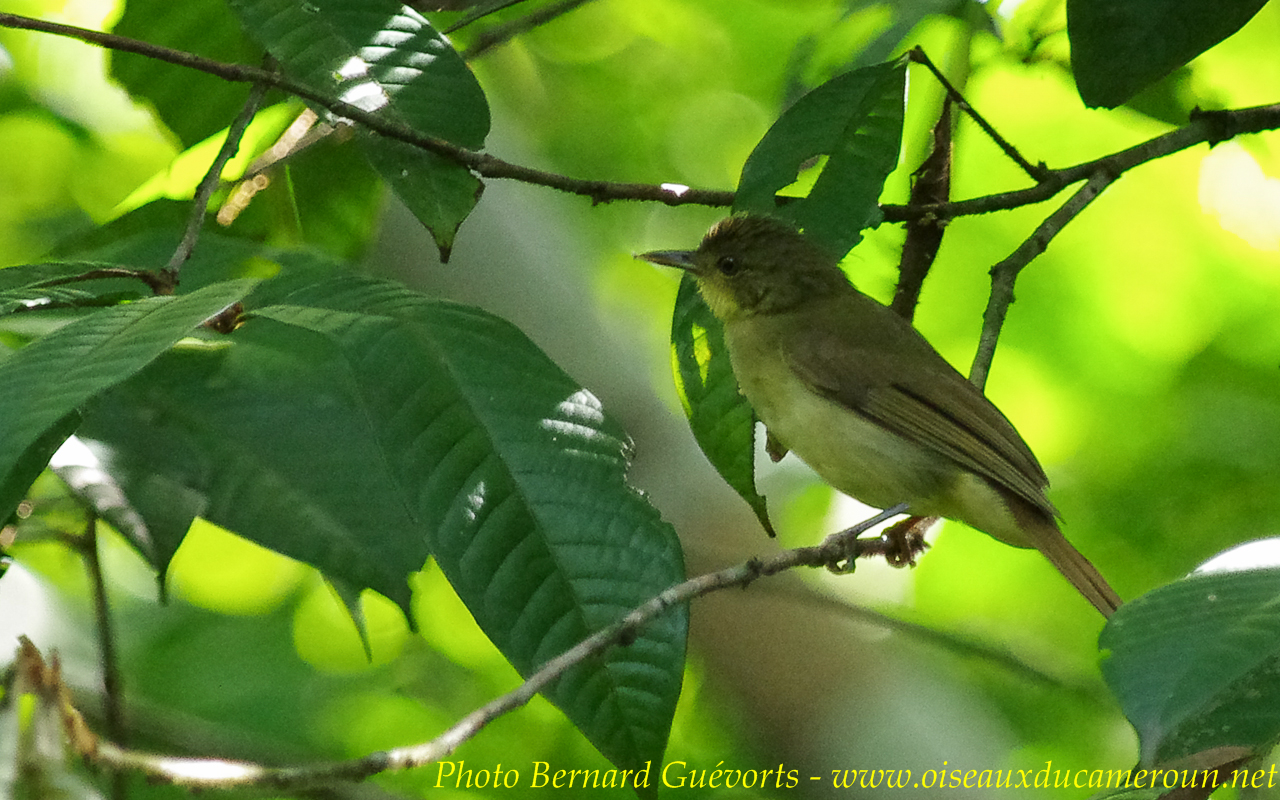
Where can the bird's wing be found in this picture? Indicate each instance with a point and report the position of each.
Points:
(903, 384)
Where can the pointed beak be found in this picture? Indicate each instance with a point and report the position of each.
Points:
(681, 259)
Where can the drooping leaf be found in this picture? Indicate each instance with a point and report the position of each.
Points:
(387, 59)
(438, 192)
(1119, 47)
(361, 427)
(721, 418)
(20, 476)
(44, 382)
(96, 484)
(1194, 663)
(854, 119)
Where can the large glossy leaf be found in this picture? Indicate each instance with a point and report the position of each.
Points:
(361, 427)
(386, 58)
(721, 419)
(854, 119)
(1119, 47)
(1193, 665)
(44, 382)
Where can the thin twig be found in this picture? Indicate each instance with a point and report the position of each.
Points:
(1205, 127)
(1037, 172)
(112, 685)
(213, 773)
(212, 178)
(1005, 273)
(500, 34)
(474, 15)
(153, 280)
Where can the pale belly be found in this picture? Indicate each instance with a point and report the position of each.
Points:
(850, 453)
(870, 463)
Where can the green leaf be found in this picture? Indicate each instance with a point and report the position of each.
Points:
(361, 427)
(1193, 665)
(854, 119)
(437, 191)
(205, 27)
(1119, 47)
(54, 376)
(386, 58)
(722, 420)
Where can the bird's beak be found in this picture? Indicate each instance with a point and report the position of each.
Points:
(681, 259)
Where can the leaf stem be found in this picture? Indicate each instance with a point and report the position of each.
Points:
(210, 181)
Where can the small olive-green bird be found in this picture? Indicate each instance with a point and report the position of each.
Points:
(859, 395)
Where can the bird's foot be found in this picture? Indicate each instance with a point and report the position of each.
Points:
(900, 544)
(904, 541)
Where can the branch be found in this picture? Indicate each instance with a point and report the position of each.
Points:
(1210, 127)
(931, 183)
(112, 689)
(482, 164)
(1005, 273)
(214, 773)
(1036, 172)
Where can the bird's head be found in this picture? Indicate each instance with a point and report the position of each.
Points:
(750, 264)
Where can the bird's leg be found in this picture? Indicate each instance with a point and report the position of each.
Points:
(899, 543)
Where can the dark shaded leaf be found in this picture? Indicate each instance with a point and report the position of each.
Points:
(205, 27)
(386, 58)
(854, 119)
(1119, 47)
(361, 427)
(1194, 665)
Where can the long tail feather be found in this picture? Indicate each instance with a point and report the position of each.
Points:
(1048, 539)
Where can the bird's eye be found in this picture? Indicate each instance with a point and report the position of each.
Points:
(727, 265)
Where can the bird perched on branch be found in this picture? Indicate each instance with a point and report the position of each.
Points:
(860, 396)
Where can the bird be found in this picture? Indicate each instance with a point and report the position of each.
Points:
(857, 393)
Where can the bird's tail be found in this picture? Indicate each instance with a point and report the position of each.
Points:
(1044, 534)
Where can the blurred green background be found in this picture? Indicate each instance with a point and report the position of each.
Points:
(1141, 362)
